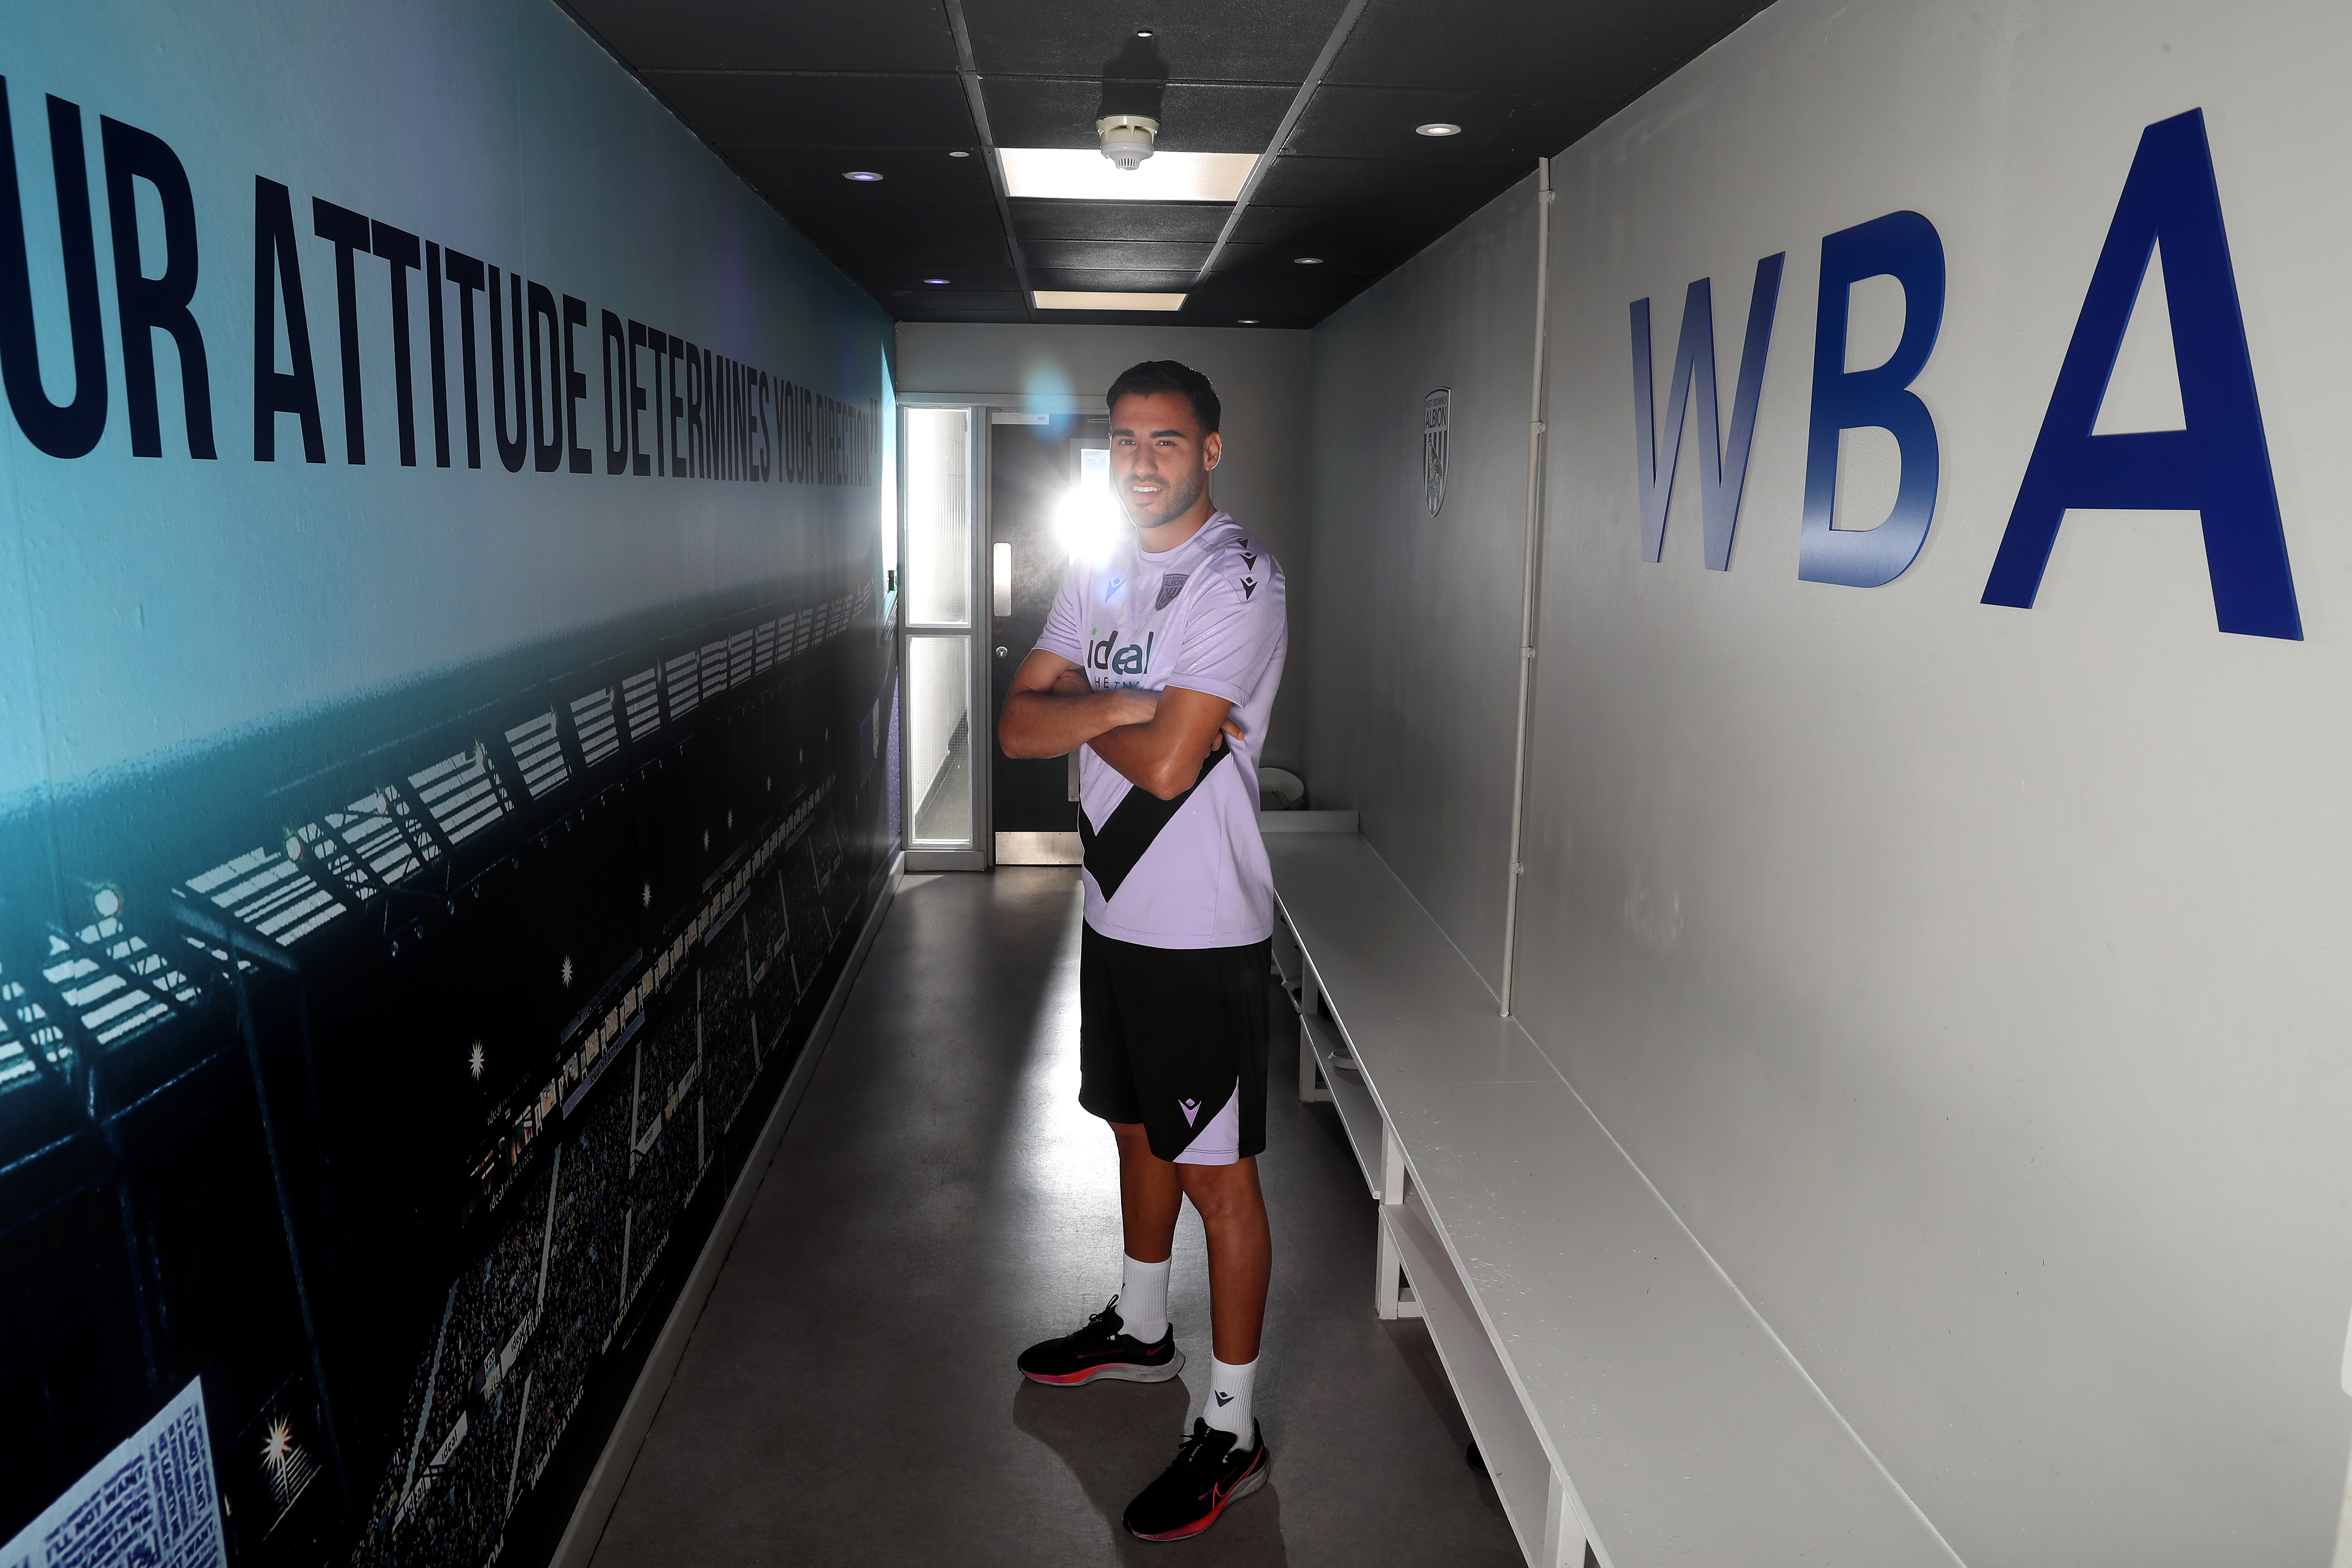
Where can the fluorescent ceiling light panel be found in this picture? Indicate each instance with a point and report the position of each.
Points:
(1083, 174)
(1075, 300)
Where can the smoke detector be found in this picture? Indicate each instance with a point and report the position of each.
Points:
(1126, 139)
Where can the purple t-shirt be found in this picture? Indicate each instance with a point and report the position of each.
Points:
(1208, 617)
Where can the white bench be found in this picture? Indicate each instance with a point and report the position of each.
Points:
(1620, 1389)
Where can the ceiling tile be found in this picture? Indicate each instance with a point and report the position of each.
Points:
(950, 305)
(1610, 51)
(1199, 40)
(885, 281)
(1124, 280)
(922, 231)
(1297, 182)
(871, 35)
(1398, 232)
(1119, 220)
(785, 174)
(1049, 112)
(1262, 261)
(1259, 296)
(766, 111)
(1497, 127)
(1097, 254)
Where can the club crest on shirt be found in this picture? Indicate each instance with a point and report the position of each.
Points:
(1170, 586)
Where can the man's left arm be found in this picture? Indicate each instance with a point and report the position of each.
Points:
(1233, 634)
(1163, 757)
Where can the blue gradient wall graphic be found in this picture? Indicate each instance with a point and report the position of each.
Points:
(445, 716)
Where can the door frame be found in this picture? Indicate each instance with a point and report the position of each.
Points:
(976, 855)
(983, 407)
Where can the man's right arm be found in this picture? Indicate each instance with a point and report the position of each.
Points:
(1053, 710)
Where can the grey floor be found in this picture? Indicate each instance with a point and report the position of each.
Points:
(939, 1201)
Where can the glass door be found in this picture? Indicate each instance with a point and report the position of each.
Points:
(1049, 499)
(942, 485)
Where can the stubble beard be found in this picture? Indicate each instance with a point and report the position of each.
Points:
(1175, 500)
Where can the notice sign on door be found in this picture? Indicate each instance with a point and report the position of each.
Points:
(151, 1502)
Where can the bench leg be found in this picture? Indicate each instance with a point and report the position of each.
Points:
(1311, 1087)
(1563, 1528)
(1388, 1300)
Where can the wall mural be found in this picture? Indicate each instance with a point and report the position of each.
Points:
(428, 837)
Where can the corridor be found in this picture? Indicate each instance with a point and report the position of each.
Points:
(939, 1201)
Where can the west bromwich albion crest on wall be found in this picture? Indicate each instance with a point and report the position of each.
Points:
(1435, 410)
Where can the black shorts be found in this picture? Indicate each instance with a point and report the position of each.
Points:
(1176, 1038)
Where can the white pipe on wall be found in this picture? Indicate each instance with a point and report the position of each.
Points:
(1527, 585)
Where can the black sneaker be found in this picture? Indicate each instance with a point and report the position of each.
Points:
(1102, 1350)
(1190, 1494)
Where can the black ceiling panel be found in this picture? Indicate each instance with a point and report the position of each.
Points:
(916, 230)
(1497, 127)
(1271, 260)
(1175, 280)
(789, 174)
(870, 35)
(761, 109)
(1098, 254)
(795, 95)
(1196, 41)
(890, 280)
(1200, 221)
(1052, 112)
(1610, 51)
(1384, 182)
(1318, 295)
(958, 305)
(1398, 232)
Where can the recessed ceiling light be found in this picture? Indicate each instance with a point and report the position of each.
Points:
(1437, 128)
(958, 155)
(1143, 32)
(1249, 321)
(863, 176)
(1073, 300)
(1308, 260)
(935, 281)
(1083, 174)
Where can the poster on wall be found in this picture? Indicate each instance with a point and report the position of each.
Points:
(443, 775)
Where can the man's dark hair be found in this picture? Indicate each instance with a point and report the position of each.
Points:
(1155, 375)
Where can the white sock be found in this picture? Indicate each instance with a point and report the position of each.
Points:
(1143, 1299)
(1228, 1409)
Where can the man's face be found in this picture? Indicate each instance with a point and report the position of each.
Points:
(1159, 461)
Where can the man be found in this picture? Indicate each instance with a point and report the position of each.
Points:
(1160, 663)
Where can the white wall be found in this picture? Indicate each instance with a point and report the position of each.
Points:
(1261, 377)
(1964, 976)
(1415, 658)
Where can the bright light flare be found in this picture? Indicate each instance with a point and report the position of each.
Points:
(278, 1444)
(1090, 521)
